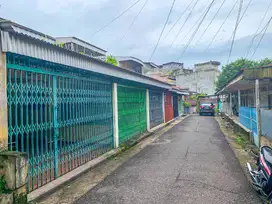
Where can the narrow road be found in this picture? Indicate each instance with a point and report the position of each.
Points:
(192, 163)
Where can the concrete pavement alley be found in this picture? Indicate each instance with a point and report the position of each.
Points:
(191, 163)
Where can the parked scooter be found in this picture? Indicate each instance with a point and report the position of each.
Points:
(261, 176)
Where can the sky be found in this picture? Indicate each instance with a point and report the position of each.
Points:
(82, 18)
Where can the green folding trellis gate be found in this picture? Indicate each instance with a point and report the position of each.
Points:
(131, 112)
(61, 117)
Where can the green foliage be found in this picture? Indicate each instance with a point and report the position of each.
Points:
(230, 70)
(124, 147)
(195, 96)
(112, 60)
(20, 198)
(59, 44)
(242, 140)
(187, 104)
(3, 185)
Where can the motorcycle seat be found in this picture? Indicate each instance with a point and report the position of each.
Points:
(267, 152)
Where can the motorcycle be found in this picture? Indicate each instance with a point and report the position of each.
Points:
(261, 176)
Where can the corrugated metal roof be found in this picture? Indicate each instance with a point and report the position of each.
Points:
(81, 43)
(258, 73)
(29, 46)
(129, 58)
(10, 26)
(32, 34)
(85, 42)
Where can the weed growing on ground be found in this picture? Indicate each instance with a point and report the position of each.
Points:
(124, 147)
(242, 140)
(3, 186)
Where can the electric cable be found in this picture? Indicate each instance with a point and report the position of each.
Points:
(210, 22)
(116, 18)
(134, 20)
(162, 30)
(235, 29)
(256, 33)
(193, 35)
(184, 23)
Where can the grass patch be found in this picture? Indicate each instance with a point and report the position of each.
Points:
(242, 140)
(124, 147)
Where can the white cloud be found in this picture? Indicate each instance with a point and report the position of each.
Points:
(81, 18)
(68, 6)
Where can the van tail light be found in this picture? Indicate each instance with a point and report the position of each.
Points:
(201, 107)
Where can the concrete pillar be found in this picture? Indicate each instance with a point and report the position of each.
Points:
(147, 110)
(239, 101)
(258, 111)
(230, 95)
(3, 104)
(115, 115)
(163, 107)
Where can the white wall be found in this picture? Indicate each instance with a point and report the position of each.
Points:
(199, 81)
(205, 67)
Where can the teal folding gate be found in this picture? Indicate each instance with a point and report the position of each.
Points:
(156, 108)
(59, 115)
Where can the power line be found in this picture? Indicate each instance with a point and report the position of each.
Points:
(235, 29)
(116, 18)
(184, 23)
(265, 29)
(177, 20)
(162, 30)
(245, 11)
(210, 22)
(134, 20)
(195, 24)
(193, 35)
(256, 33)
(221, 26)
(241, 18)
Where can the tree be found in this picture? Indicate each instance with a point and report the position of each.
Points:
(230, 70)
(111, 59)
(195, 96)
(187, 104)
